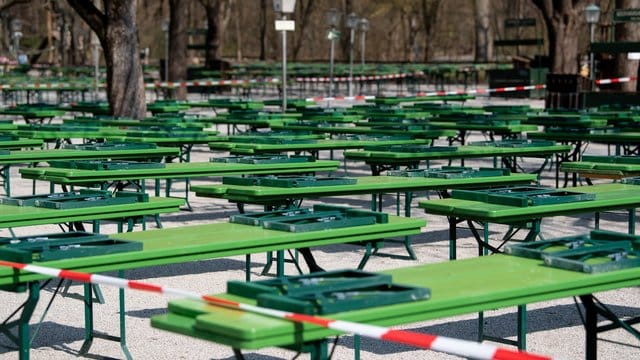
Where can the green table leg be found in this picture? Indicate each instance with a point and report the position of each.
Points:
(23, 323)
(453, 223)
(632, 221)
(319, 350)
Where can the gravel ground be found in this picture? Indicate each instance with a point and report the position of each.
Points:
(554, 327)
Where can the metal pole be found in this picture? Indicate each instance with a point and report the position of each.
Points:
(362, 44)
(96, 69)
(592, 75)
(284, 68)
(351, 61)
(331, 55)
(166, 55)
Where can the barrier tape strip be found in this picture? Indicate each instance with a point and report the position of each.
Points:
(616, 80)
(441, 93)
(464, 348)
(177, 84)
(323, 79)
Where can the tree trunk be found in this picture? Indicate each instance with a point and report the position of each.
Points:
(214, 33)
(562, 19)
(299, 38)
(117, 31)
(627, 32)
(178, 40)
(263, 30)
(429, 12)
(484, 35)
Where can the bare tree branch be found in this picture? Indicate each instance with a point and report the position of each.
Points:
(95, 18)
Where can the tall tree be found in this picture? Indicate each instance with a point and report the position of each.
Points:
(563, 20)
(117, 31)
(484, 35)
(218, 14)
(178, 39)
(627, 32)
(305, 10)
(263, 30)
(429, 12)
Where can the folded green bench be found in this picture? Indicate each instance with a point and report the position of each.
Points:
(47, 247)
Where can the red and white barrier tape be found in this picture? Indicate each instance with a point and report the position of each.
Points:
(323, 79)
(342, 98)
(616, 80)
(176, 84)
(452, 346)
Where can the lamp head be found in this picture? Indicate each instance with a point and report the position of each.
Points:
(363, 25)
(352, 20)
(333, 17)
(284, 6)
(592, 14)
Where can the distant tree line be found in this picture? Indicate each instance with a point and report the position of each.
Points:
(210, 32)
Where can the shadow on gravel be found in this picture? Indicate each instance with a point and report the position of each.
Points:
(551, 318)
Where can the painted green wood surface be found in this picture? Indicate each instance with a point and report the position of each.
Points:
(31, 156)
(466, 151)
(20, 143)
(172, 170)
(365, 185)
(608, 197)
(607, 138)
(511, 128)
(426, 134)
(15, 216)
(457, 287)
(247, 148)
(198, 242)
(587, 165)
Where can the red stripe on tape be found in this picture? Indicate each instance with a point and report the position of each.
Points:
(309, 319)
(505, 354)
(220, 301)
(144, 286)
(12, 264)
(409, 338)
(74, 275)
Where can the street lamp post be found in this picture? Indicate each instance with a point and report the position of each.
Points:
(363, 26)
(284, 7)
(16, 35)
(592, 16)
(333, 18)
(95, 45)
(352, 22)
(165, 29)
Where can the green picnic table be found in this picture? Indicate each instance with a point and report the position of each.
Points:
(167, 106)
(14, 143)
(310, 145)
(506, 131)
(606, 197)
(383, 159)
(37, 156)
(15, 216)
(107, 179)
(420, 132)
(604, 167)
(33, 113)
(626, 143)
(271, 196)
(413, 99)
(180, 245)
(457, 288)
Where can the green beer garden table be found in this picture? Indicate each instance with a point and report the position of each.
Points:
(38, 156)
(380, 160)
(607, 197)
(184, 244)
(457, 287)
